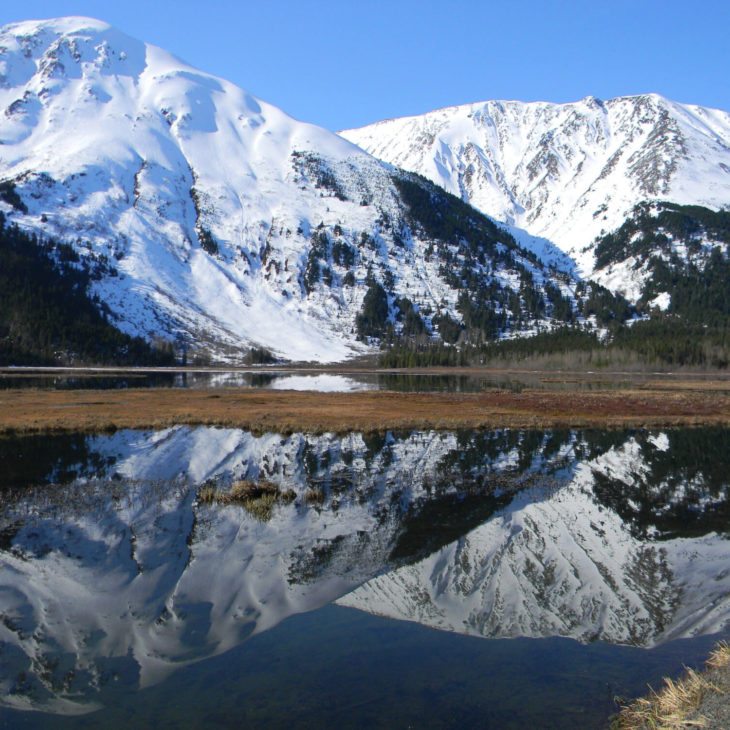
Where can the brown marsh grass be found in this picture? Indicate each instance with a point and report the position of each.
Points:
(674, 705)
(258, 498)
(28, 411)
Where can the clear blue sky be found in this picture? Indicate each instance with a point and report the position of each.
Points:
(347, 63)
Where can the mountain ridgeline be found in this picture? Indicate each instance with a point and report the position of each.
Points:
(566, 172)
(191, 215)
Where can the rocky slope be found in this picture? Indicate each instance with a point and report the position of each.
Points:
(566, 172)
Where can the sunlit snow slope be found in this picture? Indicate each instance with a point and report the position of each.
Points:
(119, 144)
(567, 172)
(210, 217)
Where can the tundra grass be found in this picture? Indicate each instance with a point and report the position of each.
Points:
(659, 405)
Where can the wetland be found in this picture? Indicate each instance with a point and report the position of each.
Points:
(358, 401)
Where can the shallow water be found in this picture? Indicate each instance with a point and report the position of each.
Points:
(499, 579)
(273, 380)
(317, 381)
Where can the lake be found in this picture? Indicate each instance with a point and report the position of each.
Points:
(488, 579)
(457, 381)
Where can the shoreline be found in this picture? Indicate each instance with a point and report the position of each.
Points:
(696, 699)
(346, 369)
(654, 405)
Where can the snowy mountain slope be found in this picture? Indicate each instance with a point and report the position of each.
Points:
(214, 217)
(122, 579)
(567, 172)
(669, 257)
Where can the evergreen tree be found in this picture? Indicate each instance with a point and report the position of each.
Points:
(46, 314)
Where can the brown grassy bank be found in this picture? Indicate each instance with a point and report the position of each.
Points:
(697, 699)
(27, 411)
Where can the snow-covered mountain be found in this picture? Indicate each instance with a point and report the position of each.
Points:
(211, 216)
(566, 172)
(119, 577)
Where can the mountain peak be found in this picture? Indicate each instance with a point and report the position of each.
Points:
(64, 25)
(565, 172)
(213, 218)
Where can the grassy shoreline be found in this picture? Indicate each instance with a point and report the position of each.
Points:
(654, 404)
(696, 699)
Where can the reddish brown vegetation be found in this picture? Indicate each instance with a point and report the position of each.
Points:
(663, 404)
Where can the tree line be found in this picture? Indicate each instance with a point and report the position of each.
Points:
(49, 317)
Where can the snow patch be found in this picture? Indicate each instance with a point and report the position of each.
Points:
(661, 301)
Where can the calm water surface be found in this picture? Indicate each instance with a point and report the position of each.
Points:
(495, 579)
(318, 381)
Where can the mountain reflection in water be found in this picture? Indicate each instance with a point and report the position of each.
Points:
(113, 575)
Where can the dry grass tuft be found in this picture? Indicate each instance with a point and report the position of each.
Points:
(288, 496)
(261, 507)
(207, 494)
(668, 708)
(248, 489)
(314, 496)
(258, 498)
(720, 656)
